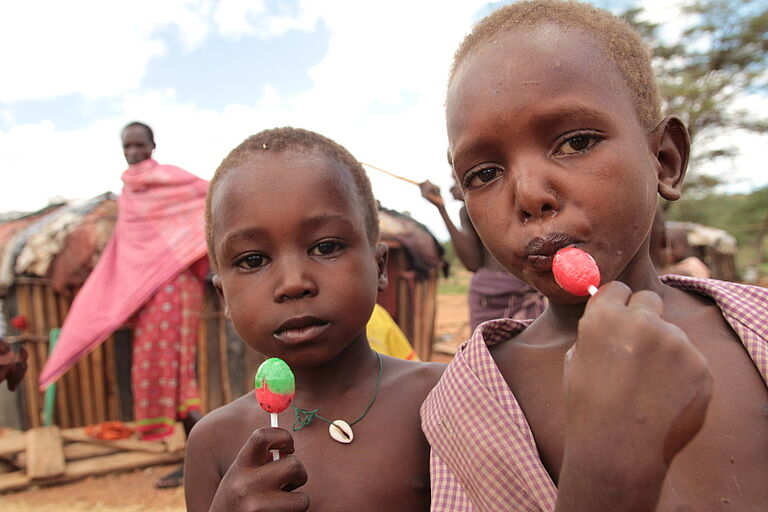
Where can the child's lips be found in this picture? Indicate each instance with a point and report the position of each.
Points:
(541, 250)
(540, 262)
(301, 330)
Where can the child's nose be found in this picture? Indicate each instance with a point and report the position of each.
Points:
(294, 282)
(535, 198)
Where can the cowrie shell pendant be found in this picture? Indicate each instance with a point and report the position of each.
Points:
(341, 431)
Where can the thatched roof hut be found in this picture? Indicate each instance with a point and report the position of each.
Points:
(715, 247)
(45, 257)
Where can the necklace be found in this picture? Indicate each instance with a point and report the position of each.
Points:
(339, 430)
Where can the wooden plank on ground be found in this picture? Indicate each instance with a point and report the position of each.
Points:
(14, 481)
(45, 452)
(90, 467)
(73, 451)
(177, 440)
(78, 434)
(12, 443)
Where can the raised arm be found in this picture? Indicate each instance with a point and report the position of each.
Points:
(465, 241)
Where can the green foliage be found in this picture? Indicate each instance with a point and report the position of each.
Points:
(458, 278)
(450, 255)
(720, 57)
(741, 215)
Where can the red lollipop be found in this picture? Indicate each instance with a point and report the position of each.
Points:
(575, 271)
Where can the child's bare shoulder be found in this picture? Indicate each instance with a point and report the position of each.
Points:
(224, 430)
(419, 375)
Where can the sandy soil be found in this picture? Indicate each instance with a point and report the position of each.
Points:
(131, 491)
(134, 491)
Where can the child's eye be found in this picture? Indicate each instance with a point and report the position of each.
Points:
(326, 248)
(251, 261)
(577, 144)
(474, 179)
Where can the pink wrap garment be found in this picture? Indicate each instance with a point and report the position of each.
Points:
(159, 233)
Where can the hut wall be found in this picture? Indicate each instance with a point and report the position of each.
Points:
(98, 387)
(411, 302)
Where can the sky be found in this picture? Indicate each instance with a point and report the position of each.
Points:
(205, 74)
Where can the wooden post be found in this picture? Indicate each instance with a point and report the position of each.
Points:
(85, 390)
(224, 358)
(96, 359)
(74, 400)
(202, 359)
(113, 405)
(31, 393)
(39, 321)
(69, 399)
(55, 319)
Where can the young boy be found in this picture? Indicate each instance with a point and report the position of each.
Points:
(293, 235)
(557, 140)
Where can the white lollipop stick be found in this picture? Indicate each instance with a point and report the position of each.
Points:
(273, 421)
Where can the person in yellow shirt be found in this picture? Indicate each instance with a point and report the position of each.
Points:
(385, 336)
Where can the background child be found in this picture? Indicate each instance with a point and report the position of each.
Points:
(557, 140)
(293, 234)
(12, 366)
(386, 337)
(493, 292)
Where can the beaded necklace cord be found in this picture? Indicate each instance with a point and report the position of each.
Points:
(305, 417)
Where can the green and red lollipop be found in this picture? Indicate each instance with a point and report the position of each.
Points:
(275, 387)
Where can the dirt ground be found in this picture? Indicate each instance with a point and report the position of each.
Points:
(134, 491)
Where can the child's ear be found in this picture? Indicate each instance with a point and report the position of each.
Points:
(671, 146)
(216, 281)
(382, 254)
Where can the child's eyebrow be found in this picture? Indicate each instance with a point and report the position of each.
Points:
(308, 224)
(555, 116)
(569, 113)
(248, 233)
(321, 220)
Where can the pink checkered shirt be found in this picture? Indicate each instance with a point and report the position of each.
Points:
(484, 456)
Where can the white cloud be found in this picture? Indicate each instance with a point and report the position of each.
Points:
(390, 59)
(88, 47)
(379, 91)
(236, 18)
(747, 170)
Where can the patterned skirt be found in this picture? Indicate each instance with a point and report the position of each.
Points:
(164, 351)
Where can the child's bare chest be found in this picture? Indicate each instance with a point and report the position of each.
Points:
(381, 469)
(535, 376)
(723, 466)
(385, 467)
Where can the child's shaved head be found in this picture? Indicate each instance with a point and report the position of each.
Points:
(278, 140)
(621, 42)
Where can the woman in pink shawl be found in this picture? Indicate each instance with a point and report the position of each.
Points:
(151, 272)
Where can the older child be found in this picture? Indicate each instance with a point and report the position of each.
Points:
(557, 140)
(293, 234)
